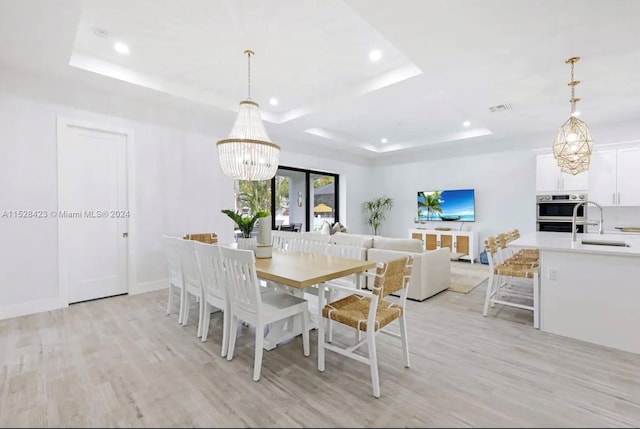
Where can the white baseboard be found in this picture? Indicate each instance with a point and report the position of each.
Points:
(149, 286)
(33, 307)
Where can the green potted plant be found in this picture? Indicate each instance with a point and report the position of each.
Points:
(245, 224)
(375, 210)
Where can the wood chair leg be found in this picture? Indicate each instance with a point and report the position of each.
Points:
(305, 333)
(405, 340)
(233, 332)
(321, 329)
(257, 361)
(206, 319)
(536, 300)
(187, 307)
(487, 298)
(170, 303)
(373, 362)
(201, 303)
(225, 332)
(181, 308)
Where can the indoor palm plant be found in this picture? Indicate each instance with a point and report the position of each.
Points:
(375, 210)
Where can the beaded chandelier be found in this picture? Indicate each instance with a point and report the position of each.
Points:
(248, 153)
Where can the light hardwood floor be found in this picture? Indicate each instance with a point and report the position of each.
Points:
(123, 362)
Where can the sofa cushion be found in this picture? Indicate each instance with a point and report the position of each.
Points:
(403, 244)
(313, 235)
(365, 241)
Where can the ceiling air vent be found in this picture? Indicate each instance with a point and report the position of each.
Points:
(500, 108)
(101, 33)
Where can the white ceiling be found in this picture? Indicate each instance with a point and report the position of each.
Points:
(443, 62)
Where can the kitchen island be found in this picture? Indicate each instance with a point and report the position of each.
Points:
(590, 292)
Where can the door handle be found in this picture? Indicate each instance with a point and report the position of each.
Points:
(125, 234)
(618, 197)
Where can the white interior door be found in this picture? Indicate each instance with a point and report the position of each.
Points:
(92, 212)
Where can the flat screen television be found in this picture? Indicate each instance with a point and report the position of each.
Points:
(450, 205)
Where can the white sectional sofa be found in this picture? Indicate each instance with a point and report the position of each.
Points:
(431, 271)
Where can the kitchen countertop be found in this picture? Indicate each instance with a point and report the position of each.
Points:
(561, 242)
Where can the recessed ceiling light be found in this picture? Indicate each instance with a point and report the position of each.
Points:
(121, 48)
(384, 140)
(375, 55)
(575, 114)
(273, 101)
(466, 123)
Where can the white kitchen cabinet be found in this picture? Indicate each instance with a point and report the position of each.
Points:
(602, 177)
(549, 178)
(628, 179)
(614, 177)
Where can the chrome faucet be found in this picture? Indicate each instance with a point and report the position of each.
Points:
(575, 215)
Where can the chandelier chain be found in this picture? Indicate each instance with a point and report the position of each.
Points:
(249, 74)
(573, 90)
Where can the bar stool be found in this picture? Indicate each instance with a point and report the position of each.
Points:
(501, 285)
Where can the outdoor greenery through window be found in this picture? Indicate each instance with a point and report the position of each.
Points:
(300, 200)
(252, 196)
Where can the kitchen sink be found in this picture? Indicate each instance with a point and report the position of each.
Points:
(606, 243)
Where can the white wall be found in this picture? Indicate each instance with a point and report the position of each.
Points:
(614, 216)
(504, 186)
(178, 189)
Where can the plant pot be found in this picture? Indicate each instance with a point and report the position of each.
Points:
(247, 243)
(264, 251)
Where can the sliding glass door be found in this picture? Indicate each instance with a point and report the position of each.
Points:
(290, 207)
(323, 194)
(298, 199)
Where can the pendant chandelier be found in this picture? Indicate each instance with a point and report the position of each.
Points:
(574, 144)
(248, 153)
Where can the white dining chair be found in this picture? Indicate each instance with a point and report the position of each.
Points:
(348, 251)
(248, 304)
(281, 239)
(214, 290)
(172, 252)
(192, 281)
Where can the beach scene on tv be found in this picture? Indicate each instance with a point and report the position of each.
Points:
(450, 205)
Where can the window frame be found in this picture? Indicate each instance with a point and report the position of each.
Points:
(308, 173)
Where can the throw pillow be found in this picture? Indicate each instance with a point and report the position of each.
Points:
(338, 227)
(326, 228)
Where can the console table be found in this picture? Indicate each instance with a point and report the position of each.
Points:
(462, 243)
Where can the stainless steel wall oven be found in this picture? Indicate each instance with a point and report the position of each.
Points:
(554, 212)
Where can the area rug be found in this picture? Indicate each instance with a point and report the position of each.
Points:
(465, 277)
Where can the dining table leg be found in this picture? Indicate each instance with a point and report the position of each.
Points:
(286, 329)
